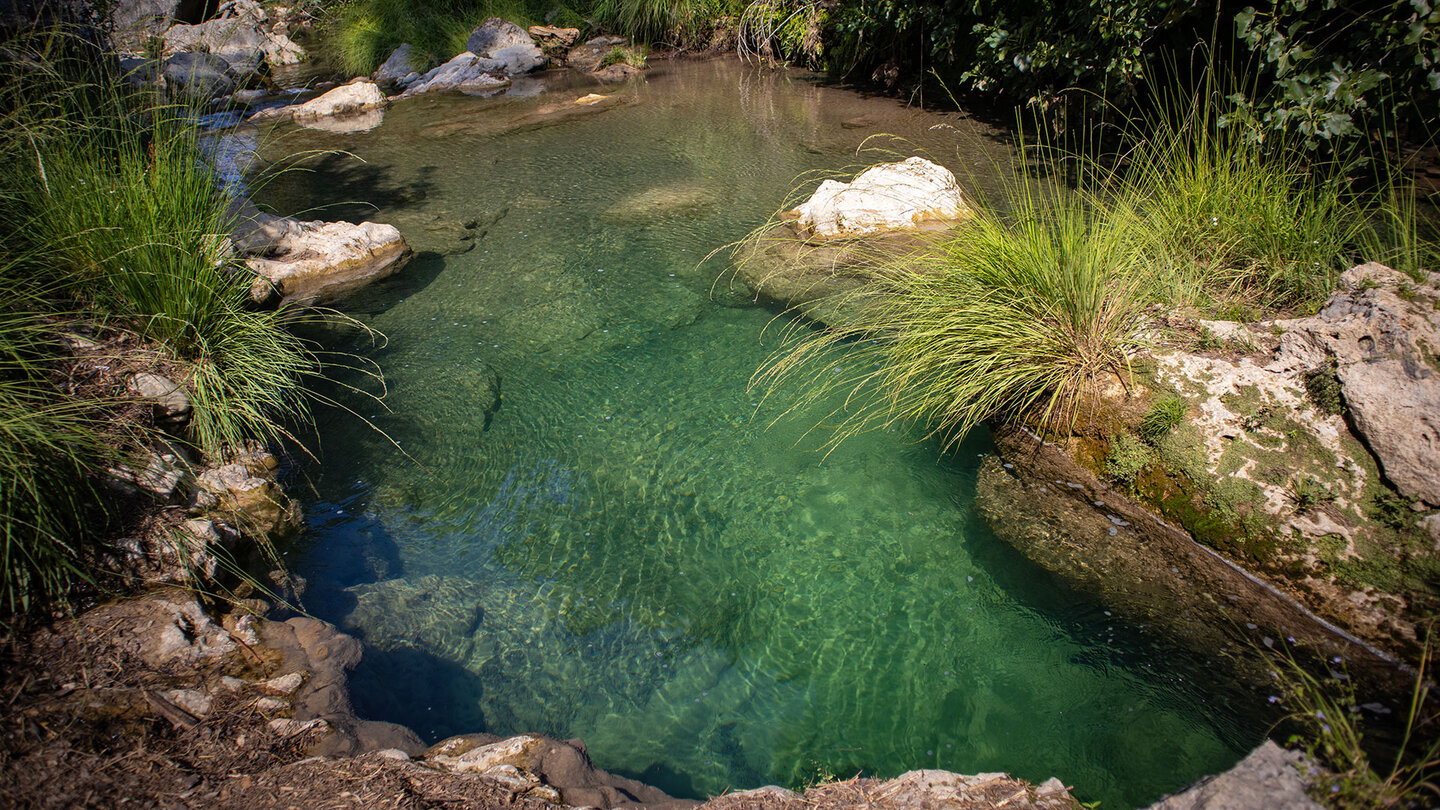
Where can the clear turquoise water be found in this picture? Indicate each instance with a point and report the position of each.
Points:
(626, 550)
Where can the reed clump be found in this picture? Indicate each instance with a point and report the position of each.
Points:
(117, 221)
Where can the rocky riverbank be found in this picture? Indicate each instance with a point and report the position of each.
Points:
(167, 700)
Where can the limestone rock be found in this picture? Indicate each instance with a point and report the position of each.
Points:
(135, 22)
(466, 72)
(360, 96)
(400, 65)
(588, 57)
(888, 197)
(1381, 331)
(296, 260)
(163, 475)
(172, 403)
(256, 504)
(1268, 778)
(551, 37)
(507, 43)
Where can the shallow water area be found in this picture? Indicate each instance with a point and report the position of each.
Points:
(625, 549)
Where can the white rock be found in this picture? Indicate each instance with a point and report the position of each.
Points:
(191, 700)
(347, 99)
(466, 72)
(888, 197)
(285, 684)
(308, 260)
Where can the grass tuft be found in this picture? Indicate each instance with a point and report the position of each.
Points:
(1012, 316)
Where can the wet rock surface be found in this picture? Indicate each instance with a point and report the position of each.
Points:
(1064, 518)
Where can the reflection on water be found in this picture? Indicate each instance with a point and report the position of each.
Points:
(624, 550)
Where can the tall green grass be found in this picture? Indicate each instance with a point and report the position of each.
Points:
(361, 34)
(48, 445)
(117, 219)
(1239, 219)
(136, 225)
(1024, 310)
(1014, 315)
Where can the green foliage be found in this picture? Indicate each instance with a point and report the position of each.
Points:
(624, 56)
(1162, 417)
(1327, 73)
(1008, 316)
(1392, 509)
(1331, 730)
(1339, 71)
(1128, 458)
(361, 34)
(1307, 492)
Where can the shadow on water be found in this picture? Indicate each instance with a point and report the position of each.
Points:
(431, 695)
(352, 190)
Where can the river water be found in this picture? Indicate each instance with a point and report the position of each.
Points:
(627, 550)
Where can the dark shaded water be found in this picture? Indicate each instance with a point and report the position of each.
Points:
(624, 551)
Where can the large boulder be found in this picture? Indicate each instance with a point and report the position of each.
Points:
(198, 76)
(399, 68)
(1270, 777)
(1381, 332)
(309, 261)
(242, 35)
(135, 22)
(238, 40)
(888, 197)
(506, 43)
(466, 73)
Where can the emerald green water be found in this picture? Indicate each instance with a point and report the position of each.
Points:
(625, 550)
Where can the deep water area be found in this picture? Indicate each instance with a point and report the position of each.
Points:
(570, 514)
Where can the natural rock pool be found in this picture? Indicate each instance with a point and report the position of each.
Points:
(624, 550)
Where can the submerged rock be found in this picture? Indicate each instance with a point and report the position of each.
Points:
(888, 197)
(817, 279)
